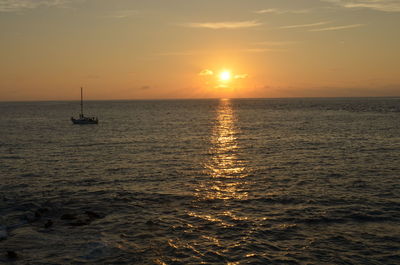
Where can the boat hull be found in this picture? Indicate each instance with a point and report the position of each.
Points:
(83, 121)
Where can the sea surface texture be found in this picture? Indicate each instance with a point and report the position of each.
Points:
(269, 181)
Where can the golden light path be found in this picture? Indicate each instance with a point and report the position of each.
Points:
(224, 182)
(226, 170)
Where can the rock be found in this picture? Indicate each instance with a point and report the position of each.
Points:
(48, 224)
(11, 254)
(81, 219)
(92, 215)
(39, 212)
(31, 217)
(80, 223)
(150, 222)
(68, 216)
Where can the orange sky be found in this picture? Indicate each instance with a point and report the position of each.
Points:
(152, 49)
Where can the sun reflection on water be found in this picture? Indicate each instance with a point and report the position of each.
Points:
(226, 169)
(222, 184)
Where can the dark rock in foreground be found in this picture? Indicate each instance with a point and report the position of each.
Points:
(11, 254)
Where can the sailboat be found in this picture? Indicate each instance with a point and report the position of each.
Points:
(82, 119)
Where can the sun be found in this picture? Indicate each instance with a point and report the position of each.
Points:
(225, 76)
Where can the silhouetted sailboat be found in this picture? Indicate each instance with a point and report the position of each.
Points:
(82, 119)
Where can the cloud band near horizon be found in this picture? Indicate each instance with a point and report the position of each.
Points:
(18, 5)
(224, 25)
(378, 5)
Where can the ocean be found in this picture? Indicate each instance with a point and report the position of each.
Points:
(230, 181)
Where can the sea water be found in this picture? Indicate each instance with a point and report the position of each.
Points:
(233, 181)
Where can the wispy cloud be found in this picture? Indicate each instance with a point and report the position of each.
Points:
(145, 87)
(282, 11)
(19, 5)
(267, 11)
(121, 14)
(240, 76)
(224, 25)
(339, 27)
(380, 5)
(181, 53)
(275, 43)
(206, 72)
(261, 50)
(205, 52)
(305, 25)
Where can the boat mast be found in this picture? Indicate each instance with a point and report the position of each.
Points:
(81, 101)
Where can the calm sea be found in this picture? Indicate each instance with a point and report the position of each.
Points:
(265, 181)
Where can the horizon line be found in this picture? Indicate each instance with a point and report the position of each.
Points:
(211, 98)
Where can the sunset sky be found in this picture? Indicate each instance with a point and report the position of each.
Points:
(156, 49)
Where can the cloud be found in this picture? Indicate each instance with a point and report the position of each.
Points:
(145, 87)
(18, 5)
(224, 25)
(211, 52)
(379, 5)
(260, 50)
(305, 25)
(275, 43)
(206, 72)
(180, 53)
(339, 27)
(122, 14)
(240, 76)
(267, 11)
(322, 29)
(282, 11)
